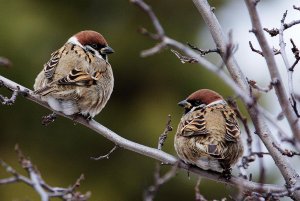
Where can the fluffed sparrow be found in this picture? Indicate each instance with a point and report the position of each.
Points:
(208, 134)
(78, 78)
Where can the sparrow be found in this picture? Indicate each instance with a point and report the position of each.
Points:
(208, 134)
(78, 78)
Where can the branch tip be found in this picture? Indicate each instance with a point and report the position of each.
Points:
(184, 59)
(106, 156)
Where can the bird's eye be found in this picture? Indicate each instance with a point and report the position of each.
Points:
(197, 103)
(94, 46)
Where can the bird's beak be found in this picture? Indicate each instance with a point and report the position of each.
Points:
(107, 50)
(185, 104)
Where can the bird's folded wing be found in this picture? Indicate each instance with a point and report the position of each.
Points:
(76, 77)
(194, 127)
(232, 127)
(49, 67)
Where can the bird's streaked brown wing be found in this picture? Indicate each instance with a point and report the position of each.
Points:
(80, 78)
(194, 126)
(49, 67)
(232, 126)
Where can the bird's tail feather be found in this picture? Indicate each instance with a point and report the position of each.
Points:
(45, 90)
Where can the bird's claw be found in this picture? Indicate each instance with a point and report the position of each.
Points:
(46, 120)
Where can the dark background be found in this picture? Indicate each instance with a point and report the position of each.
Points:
(146, 91)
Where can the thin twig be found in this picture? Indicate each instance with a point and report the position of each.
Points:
(159, 180)
(203, 52)
(255, 50)
(296, 7)
(198, 195)
(162, 138)
(146, 8)
(295, 51)
(106, 156)
(287, 65)
(254, 85)
(184, 59)
(262, 169)
(9, 101)
(274, 31)
(36, 181)
(151, 192)
(286, 152)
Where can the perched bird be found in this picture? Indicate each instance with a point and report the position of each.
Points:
(208, 134)
(78, 78)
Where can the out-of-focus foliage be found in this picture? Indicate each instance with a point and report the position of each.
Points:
(146, 91)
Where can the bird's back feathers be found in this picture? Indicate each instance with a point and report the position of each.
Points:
(209, 133)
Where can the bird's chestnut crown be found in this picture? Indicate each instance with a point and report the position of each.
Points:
(202, 96)
(93, 42)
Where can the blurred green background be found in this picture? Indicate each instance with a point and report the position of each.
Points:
(146, 91)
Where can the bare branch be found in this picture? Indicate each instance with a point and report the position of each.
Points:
(272, 32)
(147, 151)
(275, 31)
(198, 196)
(296, 8)
(154, 50)
(262, 172)
(16, 176)
(164, 135)
(9, 101)
(106, 156)
(159, 180)
(258, 118)
(38, 184)
(295, 51)
(146, 8)
(286, 152)
(203, 52)
(287, 65)
(255, 50)
(276, 52)
(273, 69)
(240, 87)
(290, 175)
(294, 105)
(184, 59)
(254, 85)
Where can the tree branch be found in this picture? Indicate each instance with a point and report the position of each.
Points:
(106, 156)
(159, 180)
(289, 173)
(273, 69)
(36, 181)
(147, 151)
(239, 85)
(288, 67)
(198, 196)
